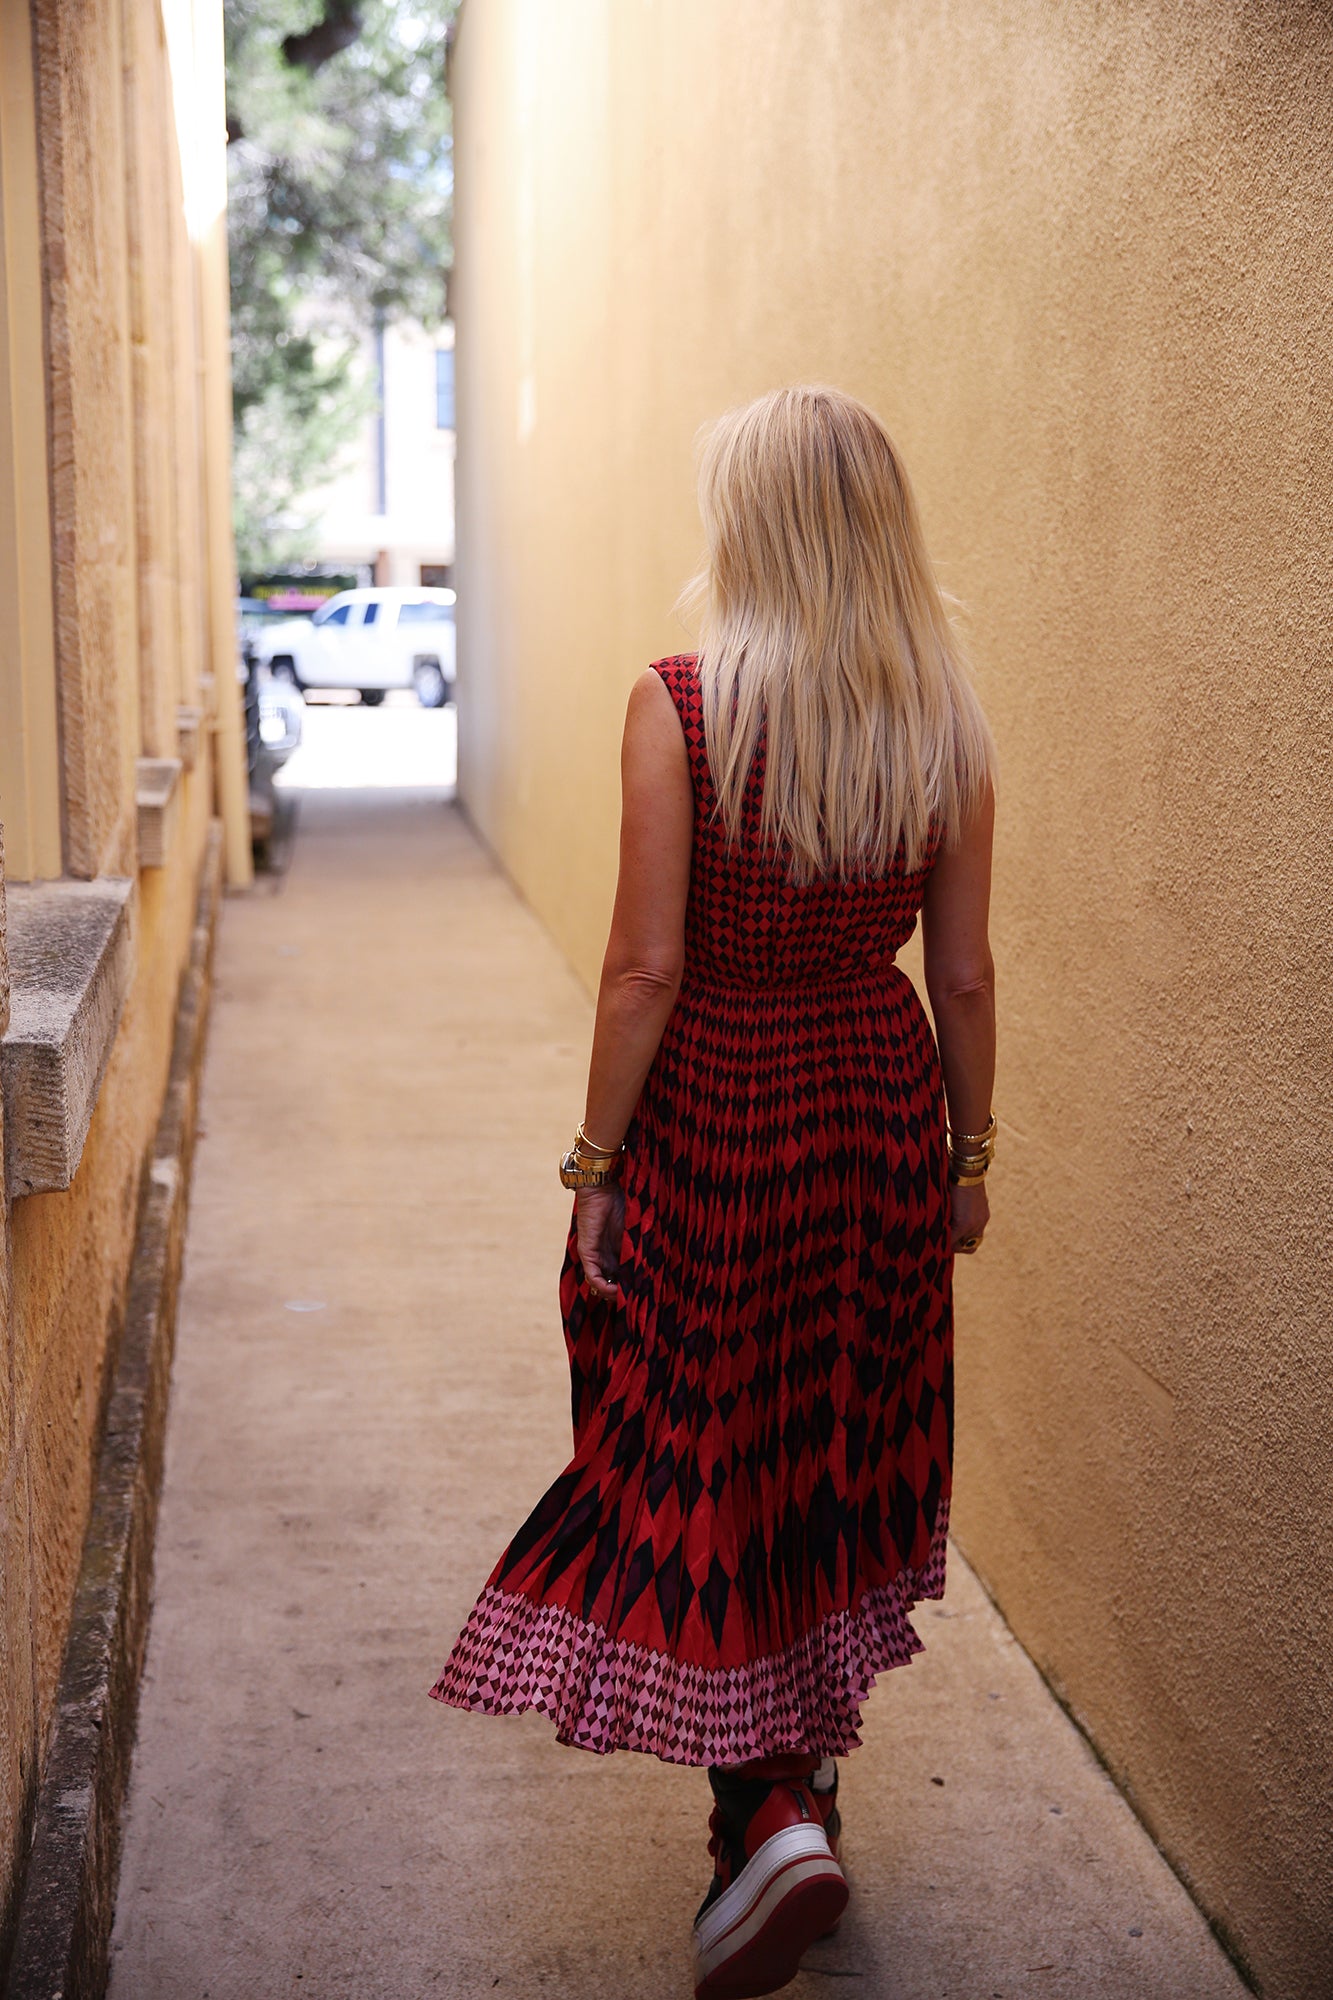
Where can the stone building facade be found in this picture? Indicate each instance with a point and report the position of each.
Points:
(1079, 259)
(122, 779)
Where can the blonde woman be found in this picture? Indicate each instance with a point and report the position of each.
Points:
(756, 1291)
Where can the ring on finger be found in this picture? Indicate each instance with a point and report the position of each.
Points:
(969, 1243)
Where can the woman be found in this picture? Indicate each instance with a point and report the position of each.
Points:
(756, 1290)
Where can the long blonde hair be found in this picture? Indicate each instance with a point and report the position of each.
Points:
(822, 624)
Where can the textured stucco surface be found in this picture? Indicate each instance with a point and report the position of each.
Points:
(68, 1264)
(1079, 260)
(65, 1255)
(67, 1901)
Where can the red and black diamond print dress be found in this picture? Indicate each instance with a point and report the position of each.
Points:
(763, 1423)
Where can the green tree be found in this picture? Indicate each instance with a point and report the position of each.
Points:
(340, 187)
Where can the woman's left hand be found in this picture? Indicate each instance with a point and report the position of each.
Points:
(969, 1214)
(601, 1222)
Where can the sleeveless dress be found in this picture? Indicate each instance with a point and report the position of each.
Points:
(763, 1423)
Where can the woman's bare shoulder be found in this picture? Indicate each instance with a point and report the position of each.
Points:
(652, 705)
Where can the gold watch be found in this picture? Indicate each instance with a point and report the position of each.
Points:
(576, 1173)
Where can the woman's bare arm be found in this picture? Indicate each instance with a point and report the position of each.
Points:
(960, 979)
(645, 952)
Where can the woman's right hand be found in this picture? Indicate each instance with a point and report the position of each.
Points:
(969, 1214)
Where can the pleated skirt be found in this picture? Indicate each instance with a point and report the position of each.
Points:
(763, 1423)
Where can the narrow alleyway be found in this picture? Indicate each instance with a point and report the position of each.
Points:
(369, 1392)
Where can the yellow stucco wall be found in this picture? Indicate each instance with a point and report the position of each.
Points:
(1079, 259)
(103, 310)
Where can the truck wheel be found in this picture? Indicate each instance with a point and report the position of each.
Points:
(372, 697)
(283, 668)
(430, 684)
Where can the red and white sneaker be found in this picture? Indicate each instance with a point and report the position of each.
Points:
(824, 1792)
(776, 1886)
(824, 1787)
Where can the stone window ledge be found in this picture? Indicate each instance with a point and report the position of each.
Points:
(71, 963)
(157, 795)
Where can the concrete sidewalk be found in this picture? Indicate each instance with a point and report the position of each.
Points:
(369, 1394)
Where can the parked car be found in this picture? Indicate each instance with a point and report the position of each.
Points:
(281, 717)
(274, 715)
(372, 640)
(273, 718)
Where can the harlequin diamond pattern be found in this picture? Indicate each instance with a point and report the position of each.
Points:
(763, 1427)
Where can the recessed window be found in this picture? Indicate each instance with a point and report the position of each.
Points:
(444, 388)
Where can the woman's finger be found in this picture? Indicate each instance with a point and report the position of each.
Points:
(591, 1259)
(599, 1283)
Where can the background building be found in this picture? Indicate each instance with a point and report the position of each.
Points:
(389, 515)
(122, 805)
(1079, 260)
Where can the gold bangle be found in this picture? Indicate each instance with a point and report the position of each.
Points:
(971, 1146)
(976, 1138)
(584, 1144)
(966, 1180)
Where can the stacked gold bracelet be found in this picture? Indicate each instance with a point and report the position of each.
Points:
(970, 1155)
(587, 1164)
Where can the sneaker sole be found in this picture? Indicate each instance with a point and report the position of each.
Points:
(833, 1839)
(789, 1894)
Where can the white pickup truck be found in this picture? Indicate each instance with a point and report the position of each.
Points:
(369, 639)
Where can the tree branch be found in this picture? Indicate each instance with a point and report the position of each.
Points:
(338, 29)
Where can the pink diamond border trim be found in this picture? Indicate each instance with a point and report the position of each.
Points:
(606, 1694)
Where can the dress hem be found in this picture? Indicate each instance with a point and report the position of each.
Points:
(605, 1694)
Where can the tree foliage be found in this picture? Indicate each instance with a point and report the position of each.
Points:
(339, 217)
